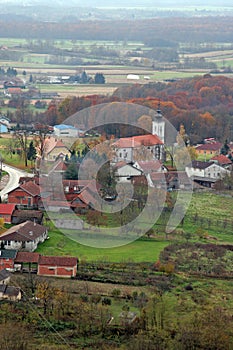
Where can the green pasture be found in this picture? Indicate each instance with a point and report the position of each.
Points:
(140, 250)
(208, 205)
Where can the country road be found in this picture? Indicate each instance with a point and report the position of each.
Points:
(14, 176)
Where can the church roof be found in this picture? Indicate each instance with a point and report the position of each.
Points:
(138, 141)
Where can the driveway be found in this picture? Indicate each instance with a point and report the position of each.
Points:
(14, 176)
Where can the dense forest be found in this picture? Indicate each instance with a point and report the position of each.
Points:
(203, 104)
(151, 31)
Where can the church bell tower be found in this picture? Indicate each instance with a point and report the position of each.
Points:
(158, 125)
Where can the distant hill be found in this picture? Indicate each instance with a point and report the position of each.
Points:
(118, 3)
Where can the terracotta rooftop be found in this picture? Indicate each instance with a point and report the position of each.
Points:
(138, 141)
(221, 159)
(51, 143)
(27, 257)
(215, 146)
(58, 261)
(6, 209)
(31, 188)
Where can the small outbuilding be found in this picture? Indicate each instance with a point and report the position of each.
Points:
(57, 266)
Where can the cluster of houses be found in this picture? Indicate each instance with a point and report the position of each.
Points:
(137, 160)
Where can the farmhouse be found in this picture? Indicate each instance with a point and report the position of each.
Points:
(57, 266)
(54, 149)
(25, 236)
(209, 148)
(20, 216)
(205, 173)
(10, 293)
(26, 195)
(125, 171)
(223, 161)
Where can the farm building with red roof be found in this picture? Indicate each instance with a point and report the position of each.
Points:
(58, 266)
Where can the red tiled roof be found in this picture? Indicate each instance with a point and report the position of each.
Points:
(24, 179)
(216, 146)
(221, 159)
(61, 166)
(58, 261)
(150, 166)
(51, 143)
(6, 209)
(31, 188)
(27, 257)
(137, 141)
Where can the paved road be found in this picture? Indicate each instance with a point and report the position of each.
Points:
(14, 175)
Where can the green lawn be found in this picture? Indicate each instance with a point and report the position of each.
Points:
(140, 250)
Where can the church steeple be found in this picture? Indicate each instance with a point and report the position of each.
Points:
(158, 124)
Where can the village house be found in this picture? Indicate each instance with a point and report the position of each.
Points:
(58, 266)
(73, 187)
(19, 216)
(223, 161)
(26, 195)
(54, 149)
(87, 198)
(205, 173)
(25, 236)
(11, 293)
(213, 148)
(7, 257)
(125, 171)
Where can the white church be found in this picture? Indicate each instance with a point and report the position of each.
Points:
(143, 147)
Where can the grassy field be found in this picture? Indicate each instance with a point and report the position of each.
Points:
(149, 249)
(140, 250)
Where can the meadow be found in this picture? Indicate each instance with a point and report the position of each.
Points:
(148, 249)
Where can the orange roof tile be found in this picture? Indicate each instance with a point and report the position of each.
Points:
(137, 141)
(221, 159)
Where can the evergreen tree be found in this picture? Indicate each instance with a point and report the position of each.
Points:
(31, 152)
(99, 78)
(225, 149)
